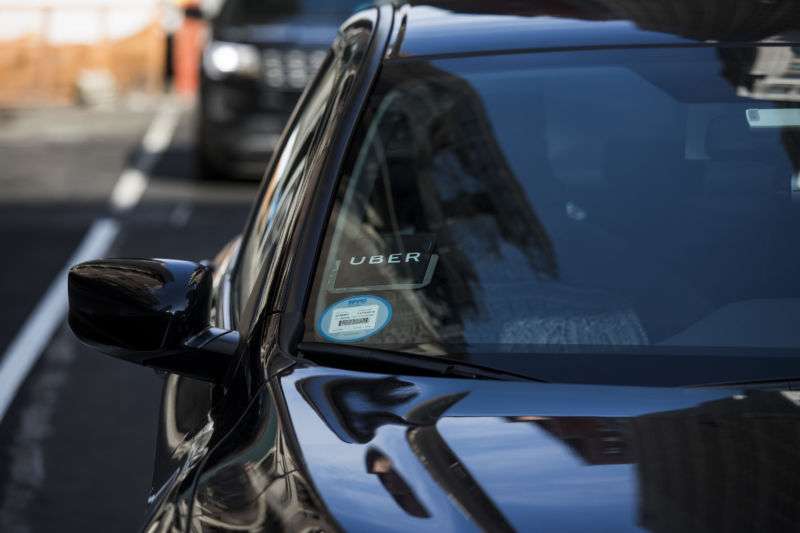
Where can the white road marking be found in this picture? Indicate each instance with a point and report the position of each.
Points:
(181, 214)
(25, 454)
(35, 334)
(26, 348)
(129, 190)
(159, 134)
(133, 182)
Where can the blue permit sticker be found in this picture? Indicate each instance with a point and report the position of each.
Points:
(355, 318)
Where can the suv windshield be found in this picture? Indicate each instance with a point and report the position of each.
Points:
(591, 199)
(240, 12)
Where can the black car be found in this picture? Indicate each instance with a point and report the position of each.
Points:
(259, 58)
(515, 266)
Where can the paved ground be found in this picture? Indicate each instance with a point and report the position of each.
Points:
(77, 444)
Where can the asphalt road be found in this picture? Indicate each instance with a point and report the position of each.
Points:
(76, 445)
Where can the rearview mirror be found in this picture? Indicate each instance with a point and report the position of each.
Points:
(154, 312)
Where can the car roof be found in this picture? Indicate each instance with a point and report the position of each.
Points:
(455, 27)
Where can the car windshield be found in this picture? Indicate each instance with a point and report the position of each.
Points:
(240, 12)
(597, 200)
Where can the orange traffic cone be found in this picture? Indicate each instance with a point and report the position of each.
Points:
(189, 41)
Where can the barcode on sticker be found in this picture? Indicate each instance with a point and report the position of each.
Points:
(354, 319)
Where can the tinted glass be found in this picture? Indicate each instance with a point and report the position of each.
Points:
(277, 204)
(594, 199)
(240, 12)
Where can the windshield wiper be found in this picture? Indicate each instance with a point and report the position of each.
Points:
(377, 360)
(766, 383)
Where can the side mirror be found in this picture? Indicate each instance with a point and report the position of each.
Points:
(153, 312)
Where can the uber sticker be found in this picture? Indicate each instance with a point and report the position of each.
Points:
(354, 318)
(405, 262)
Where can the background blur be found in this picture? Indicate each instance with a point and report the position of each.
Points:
(102, 106)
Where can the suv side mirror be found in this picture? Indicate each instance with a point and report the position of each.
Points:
(153, 312)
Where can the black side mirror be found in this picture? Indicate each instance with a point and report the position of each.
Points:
(153, 312)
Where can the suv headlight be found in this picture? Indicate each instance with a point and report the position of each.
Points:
(221, 59)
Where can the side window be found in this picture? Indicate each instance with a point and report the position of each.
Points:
(275, 205)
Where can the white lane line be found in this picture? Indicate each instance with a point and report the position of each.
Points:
(25, 454)
(35, 334)
(133, 182)
(26, 348)
(129, 190)
(159, 134)
(181, 214)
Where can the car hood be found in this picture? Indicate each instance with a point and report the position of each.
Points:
(317, 31)
(396, 453)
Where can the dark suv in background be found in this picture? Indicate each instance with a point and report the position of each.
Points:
(259, 57)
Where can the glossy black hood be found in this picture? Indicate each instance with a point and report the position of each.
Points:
(416, 453)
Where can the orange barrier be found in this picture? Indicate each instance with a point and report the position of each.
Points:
(189, 41)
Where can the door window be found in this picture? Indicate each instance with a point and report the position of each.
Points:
(281, 187)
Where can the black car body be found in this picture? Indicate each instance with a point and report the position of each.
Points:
(486, 402)
(259, 57)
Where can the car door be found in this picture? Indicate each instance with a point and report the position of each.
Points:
(205, 456)
(195, 415)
